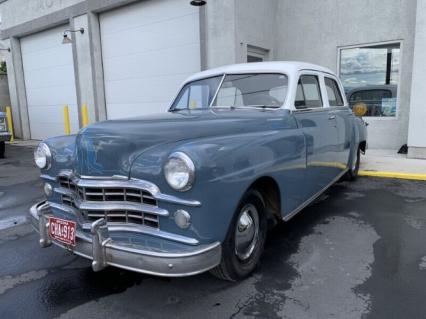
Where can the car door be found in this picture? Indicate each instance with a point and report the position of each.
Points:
(319, 129)
(343, 119)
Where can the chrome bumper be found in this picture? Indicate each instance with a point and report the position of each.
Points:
(4, 136)
(103, 251)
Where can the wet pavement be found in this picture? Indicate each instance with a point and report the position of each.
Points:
(358, 252)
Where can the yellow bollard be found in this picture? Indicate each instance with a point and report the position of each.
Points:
(9, 122)
(84, 115)
(67, 120)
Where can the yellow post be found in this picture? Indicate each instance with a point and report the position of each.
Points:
(84, 115)
(67, 120)
(9, 122)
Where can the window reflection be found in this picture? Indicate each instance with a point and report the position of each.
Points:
(370, 75)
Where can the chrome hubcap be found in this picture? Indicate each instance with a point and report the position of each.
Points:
(246, 232)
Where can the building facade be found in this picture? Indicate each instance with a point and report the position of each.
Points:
(128, 58)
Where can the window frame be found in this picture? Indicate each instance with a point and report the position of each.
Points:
(339, 91)
(223, 75)
(401, 58)
(319, 78)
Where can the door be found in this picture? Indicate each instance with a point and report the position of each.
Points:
(148, 49)
(344, 120)
(319, 127)
(49, 83)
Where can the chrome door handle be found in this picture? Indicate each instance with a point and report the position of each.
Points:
(332, 117)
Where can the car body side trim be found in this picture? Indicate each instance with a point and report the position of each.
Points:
(312, 198)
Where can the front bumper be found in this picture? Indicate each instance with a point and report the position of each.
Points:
(5, 136)
(103, 251)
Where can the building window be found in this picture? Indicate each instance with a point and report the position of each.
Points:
(370, 76)
(256, 54)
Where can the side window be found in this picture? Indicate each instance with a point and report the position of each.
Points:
(195, 96)
(333, 92)
(308, 94)
(299, 103)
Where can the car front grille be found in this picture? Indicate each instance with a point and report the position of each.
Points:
(115, 195)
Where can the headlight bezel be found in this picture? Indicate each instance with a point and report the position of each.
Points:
(187, 161)
(46, 153)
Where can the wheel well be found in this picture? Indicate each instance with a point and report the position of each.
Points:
(363, 146)
(270, 192)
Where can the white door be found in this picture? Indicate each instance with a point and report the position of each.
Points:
(49, 83)
(148, 49)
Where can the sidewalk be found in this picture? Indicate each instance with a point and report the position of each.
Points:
(388, 163)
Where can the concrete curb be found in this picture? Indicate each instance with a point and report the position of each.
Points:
(411, 176)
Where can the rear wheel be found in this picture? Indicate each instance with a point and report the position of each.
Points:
(2, 149)
(244, 243)
(352, 173)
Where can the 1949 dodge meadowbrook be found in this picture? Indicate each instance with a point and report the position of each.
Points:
(196, 188)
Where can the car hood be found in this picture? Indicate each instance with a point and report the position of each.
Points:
(109, 148)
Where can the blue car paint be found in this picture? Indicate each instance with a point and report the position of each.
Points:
(231, 149)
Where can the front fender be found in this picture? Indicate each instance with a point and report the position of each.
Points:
(226, 166)
(63, 153)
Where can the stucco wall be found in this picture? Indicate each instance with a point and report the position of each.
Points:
(417, 127)
(231, 25)
(313, 30)
(16, 12)
(256, 25)
(4, 92)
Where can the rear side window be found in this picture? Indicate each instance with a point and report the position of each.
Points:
(308, 94)
(333, 92)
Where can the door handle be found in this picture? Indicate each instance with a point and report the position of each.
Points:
(332, 117)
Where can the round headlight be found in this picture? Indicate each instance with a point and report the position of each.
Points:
(42, 156)
(179, 171)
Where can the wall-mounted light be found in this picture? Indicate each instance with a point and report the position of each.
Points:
(198, 3)
(66, 39)
(8, 49)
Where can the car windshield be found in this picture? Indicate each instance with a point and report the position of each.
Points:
(236, 90)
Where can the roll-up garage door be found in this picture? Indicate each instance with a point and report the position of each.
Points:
(148, 49)
(49, 82)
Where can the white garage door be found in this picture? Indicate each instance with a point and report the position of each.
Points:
(148, 49)
(49, 82)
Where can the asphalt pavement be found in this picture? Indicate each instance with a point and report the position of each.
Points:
(358, 252)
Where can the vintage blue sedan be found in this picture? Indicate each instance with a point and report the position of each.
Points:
(197, 188)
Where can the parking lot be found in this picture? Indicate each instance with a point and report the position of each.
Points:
(358, 252)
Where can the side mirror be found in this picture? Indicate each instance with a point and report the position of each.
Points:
(360, 109)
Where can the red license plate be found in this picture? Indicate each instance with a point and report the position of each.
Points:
(62, 230)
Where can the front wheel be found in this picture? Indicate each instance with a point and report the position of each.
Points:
(244, 243)
(2, 149)
(352, 173)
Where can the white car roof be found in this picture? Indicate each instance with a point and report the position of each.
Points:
(288, 67)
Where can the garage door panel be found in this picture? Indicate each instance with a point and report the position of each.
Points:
(125, 110)
(52, 77)
(172, 64)
(52, 125)
(161, 89)
(144, 14)
(148, 49)
(53, 57)
(178, 33)
(49, 82)
(58, 95)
